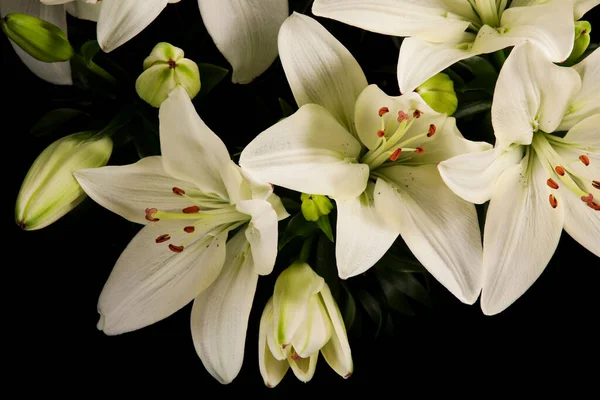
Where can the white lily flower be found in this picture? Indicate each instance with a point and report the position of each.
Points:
(245, 32)
(375, 155)
(190, 199)
(299, 321)
(442, 32)
(538, 182)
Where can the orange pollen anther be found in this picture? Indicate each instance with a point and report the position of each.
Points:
(587, 199)
(596, 184)
(417, 113)
(432, 130)
(380, 133)
(383, 111)
(396, 154)
(178, 192)
(559, 170)
(295, 356)
(552, 183)
(584, 159)
(420, 150)
(175, 249)
(553, 201)
(163, 238)
(402, 116)
(189, 229)
(149, 212)
(593, 205)
(191, 210)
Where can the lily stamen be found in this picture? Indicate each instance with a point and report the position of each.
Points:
(552, 183)
(163, 238)
(596, 184)
(553, 201)
(176, 249)
(584, 159)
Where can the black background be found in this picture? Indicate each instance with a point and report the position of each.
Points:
(52, 277)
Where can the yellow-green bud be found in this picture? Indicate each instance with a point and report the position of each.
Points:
(49, 190)
(438, 92)
(314, 206)
(38, 38)
(164, 69)
(582, 41)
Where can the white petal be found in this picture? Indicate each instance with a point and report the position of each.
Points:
(583, 6)
(84, 10)
(319, 68)
(420, 60)
(128, 190)
(337, 351)
(121, 20)
(58, 73)
(586, 133)
(363, 236)
(192, 152)
(308, 152)
(440, 228)
(587, 101)
(304, 368)
(531, 93)
(261, 233)
(427, 19)
(472, 176)
(316, 330)
(220, 314)
(151, 282)
(272, 370)
(521, 233)
(245, 32)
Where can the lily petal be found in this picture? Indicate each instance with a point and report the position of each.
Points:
(151, 282)
(272, 370)
(582, 223)
(261, 233)
(84, 10)
(192, 152)
(440, 228)
(121, 20)
(308, 152)
(57, 73)
(583, 6)
(427, 19)
(304, 368)
(316, 330)
(585, 133)
(472, 176)
(363, 236)
(337, 351)
(521, 233)
(129, 190)
(245, 32)
(220, 314)
(319, 68)
(531, 93)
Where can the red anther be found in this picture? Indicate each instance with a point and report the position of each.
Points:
(191, 210)
(383, 111)
(381, 133)
(163, 238)
(396, 154)
(417, 113)
(149, 212)
(175, 249)
(432, 130)
(587, 199)
(593, 205)
(295, 356)
(553, 201)
(402, 116)
(584, 159)
(552, 183)
(559, 170)
(178, 191)
(189, 229)
(420, 150)
(596, 184)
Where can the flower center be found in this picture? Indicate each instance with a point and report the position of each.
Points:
(489, 11)
(561, 170)
(203, 214)
(391, 145)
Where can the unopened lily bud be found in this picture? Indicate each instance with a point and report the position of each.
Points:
(49, 190)
(582, 41)
(314, 206)
(38, 38)
(301, 319)
(438, 92)
(164, 69)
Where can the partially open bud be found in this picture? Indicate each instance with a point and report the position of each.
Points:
(314, 206)
(49, 190)
(301, 319)
(164, 69)
(38, 38)
(438, 92)
(582, 41)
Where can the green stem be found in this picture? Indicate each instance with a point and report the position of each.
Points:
(499, 58)
(101, 72)
(306, 249)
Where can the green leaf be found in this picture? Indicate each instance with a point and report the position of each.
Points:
(372, 307)
(292, 206)
(325, 225)
(57, 120)
(484, 74)
(210, 76)
(406, 283)
(349, 308)
(297, 227)
(395, 298)
(465, 110)
(286, 109)
(89, 49)
(325, 265)
(398, 263)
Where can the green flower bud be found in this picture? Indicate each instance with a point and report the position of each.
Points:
(164, 69)
(314, 206)
(438, 92)
(40, 39)
(582, 41)
(49, 190)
